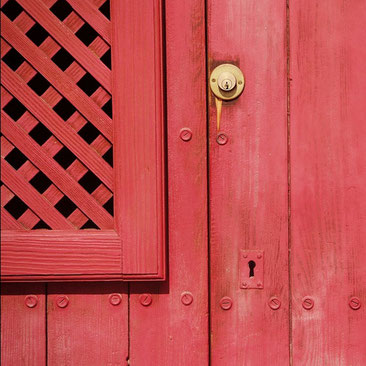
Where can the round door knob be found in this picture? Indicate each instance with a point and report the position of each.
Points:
(226, 81)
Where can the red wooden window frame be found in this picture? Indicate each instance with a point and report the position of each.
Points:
(135, 248)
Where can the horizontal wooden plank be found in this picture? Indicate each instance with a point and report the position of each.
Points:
(66, 38)
(42, 111)
(56, 77)
(58, 253)
(82, 199)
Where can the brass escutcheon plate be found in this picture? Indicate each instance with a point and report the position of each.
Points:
(240, 82)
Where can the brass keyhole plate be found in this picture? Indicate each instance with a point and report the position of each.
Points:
(231, 94)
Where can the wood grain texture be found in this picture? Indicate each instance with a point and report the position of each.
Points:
(90, 330)
(168, 332)
(65, 85)
(91, 14)
(23, 329)
(32, 198)
(248, 183)
(62, 131)
(138, 154)
(328, 168)
(8, 221)
(58, 252)
(66, 38)
(139, 134)
(58, 176)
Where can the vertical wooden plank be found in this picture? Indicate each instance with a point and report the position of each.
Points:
(92, 329)
(328, 161)
(139, 134)
(23, 324)
(167, 332)
(248, 183)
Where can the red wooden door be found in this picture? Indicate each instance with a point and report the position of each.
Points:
(289, 184)
(281, 185)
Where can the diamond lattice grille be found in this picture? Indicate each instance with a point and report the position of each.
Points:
(56, 110)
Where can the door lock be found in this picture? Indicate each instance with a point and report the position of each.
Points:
(227, 82)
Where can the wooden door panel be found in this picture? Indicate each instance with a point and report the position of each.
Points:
(248, 184)
(23, 324)
(173, 328)
(83, 193)
(328, 191)
(87, 324)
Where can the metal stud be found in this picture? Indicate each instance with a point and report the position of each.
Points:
(145, 299)
(226, 303)
(186, 298)
(31, 301)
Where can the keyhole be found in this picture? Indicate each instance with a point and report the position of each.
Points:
(251, 268)
(226, 84)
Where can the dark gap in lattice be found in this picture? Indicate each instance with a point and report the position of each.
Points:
(16, 158)
(106, 59)
(40, 182)
(107, 108)
(37, 34)
(64, 109)
(89, 133)
(105, 10)
(86, 34)
(39, 84)
(16, 207)
(65, 206)
(61, 9)
(108, 157)
(40, 134)
(88, 84)
(90, 182)
(13, 59)
(65, 157)
(14, 109)
(109, 206)
(89, 225)
(41, 225)
(62, 59)
(12, 9)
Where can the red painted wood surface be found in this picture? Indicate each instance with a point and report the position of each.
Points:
(248, 183)
(328, 191)
(182, 321)
(136, 249)
(168, 332)
(23, 328)
(90, 330)
(139, 125)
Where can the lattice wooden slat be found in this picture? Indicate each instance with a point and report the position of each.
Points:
(56, 77)
(67, 211)
(32, 198)
(66, 38)
(94, 17)
(55, 105)
(56, 125)
(77, 193)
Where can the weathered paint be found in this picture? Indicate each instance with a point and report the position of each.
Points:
(290, 159)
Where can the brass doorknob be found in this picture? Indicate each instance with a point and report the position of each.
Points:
(227, 81)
